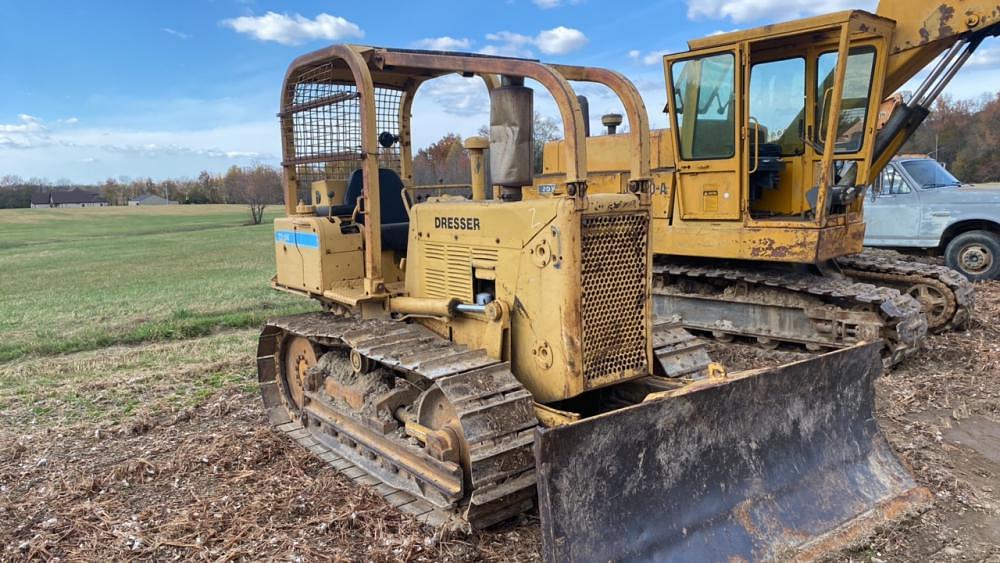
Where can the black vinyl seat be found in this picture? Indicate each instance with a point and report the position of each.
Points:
(395, 220)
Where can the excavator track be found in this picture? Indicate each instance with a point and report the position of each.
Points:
(494, 411)
(778, 306)
(947, 296)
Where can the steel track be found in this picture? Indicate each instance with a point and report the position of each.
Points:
(494, 410)
(903, 274)
(775, 306)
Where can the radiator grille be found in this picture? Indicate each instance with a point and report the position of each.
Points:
(614, 294)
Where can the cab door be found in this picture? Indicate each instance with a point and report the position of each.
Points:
(705, 117)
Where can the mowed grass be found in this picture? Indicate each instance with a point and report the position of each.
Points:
(114, 384)
(82, 279)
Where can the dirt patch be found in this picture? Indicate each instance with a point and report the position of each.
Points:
(194, 473)
(215, 484)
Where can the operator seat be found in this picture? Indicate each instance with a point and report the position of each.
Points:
(395, 220)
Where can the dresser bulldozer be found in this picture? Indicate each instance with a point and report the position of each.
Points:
(479, 357)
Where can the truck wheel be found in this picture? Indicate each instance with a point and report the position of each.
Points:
(976, 254)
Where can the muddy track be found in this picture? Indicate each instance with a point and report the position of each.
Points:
(814, 311)
(946, 295)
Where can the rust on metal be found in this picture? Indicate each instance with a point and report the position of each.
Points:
(768, 464)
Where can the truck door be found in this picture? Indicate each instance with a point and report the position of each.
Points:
(704, 116)
(893, 219)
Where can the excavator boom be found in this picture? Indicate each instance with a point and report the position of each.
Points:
(949, 31)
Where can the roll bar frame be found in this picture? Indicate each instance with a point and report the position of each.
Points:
(370, 67)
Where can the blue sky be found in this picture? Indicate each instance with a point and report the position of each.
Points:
(165, 89)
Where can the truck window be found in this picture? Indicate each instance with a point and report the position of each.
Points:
(854, 107)
(778, 101)
(930, 174)
(893, 183)
(703, 90)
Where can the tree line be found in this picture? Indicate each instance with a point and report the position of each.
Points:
(964, 135)
(256, 186)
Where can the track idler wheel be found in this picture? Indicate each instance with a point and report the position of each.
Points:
(936, 301)
(298, 355)
(444, 438)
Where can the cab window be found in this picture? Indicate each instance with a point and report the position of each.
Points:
(778, 103)
(854, 106)
(703, 97)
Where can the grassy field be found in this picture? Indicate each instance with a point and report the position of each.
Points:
(81, 279)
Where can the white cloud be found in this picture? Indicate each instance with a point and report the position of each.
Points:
(175, 33)
(37, 147)
(654, 58)
(294, 29)
(509, 44)
(549, 4)
(769, 10)
(985, 57)
(650, 58)
(445, 43)
(155, 150)
(457, 95)
(28, 124)
(28, 132)
(560, 40)
(556, 41)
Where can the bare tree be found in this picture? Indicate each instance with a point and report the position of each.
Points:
(255, 186)
(442, 162)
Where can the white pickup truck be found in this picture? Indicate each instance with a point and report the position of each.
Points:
(918, 204)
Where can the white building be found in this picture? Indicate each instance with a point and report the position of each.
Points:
(150, 199)
(68, 198)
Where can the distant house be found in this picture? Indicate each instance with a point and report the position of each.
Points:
(150, 199)
(68, 198)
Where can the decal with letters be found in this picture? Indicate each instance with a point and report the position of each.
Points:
(457, 223)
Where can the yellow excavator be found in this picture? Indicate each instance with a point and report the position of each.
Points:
(759, 183)
(476, 358)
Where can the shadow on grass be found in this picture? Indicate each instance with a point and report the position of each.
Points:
(181, 325)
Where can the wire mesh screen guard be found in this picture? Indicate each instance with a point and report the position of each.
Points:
(322, 128)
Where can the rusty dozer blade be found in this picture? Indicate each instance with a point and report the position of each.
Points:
(770, 464)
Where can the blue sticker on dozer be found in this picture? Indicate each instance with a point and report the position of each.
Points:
(301, 240)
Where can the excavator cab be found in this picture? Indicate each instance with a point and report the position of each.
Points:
(775, 127)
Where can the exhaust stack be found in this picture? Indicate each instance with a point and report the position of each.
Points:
(511, 137)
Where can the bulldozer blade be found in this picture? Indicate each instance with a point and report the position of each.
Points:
(771, 464)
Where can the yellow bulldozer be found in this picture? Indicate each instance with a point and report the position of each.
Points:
(759, 183)
(478, 357)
